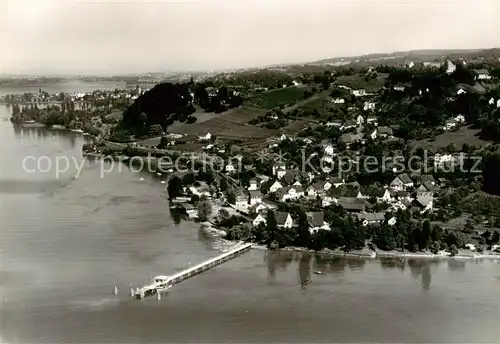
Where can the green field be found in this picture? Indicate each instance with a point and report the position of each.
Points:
(275, 98)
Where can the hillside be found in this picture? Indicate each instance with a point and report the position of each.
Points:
(418, 55)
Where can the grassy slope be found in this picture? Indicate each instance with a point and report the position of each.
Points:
(231, 124)
(275, 98)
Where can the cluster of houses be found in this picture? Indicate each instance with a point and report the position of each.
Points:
(404, 192)
(454, 122)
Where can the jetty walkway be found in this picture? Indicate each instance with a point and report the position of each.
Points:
(178, 277)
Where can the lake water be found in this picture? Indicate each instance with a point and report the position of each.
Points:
(66, 246)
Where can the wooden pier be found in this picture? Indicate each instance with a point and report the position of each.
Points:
(198, 269)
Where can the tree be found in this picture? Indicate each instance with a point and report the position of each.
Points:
(195, 199)
(164, 102)
(155, 130)
(453, 250)
(304, 235)
(491, 171)
(451, 148)
(271, 227)
(191, 119)
(163, 143)
(455, 238)
(223, 215)
(174, 187)
(188, 178)
(223, 184)
(426, 233)
(434, 247)
(204, 210)
(495, 238)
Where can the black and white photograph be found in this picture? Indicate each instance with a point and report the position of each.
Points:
(249, 171)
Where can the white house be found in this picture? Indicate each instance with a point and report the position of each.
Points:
(230, 168)
(338, 100)
(450, 67)
(283, 219)
(206, 137)
(371, 218)
(258, 208)
(253, 185)
(401, 182)
(442, 159)
(280, 173)
(461, 90)
(278, 166)
(410, 64)
(386, 197)
(373, 120)
(312, 191)
(322, 185)
(399, 88)
(317, 222)
(491, 101)
(295, 83)
(290, 193)
(329, 150)
(459, 119)
(373, 134)
(392, 221)
(449, 125)
(399, 205)
(259, 219)
(255, 197)
(241, 200)
(283, 137)
(425, 202)
(369, 106)
(360, 120)
(275, 187)
(327, 201)
(359, 93)
(482, 74)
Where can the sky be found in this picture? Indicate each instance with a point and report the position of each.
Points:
(113, 37)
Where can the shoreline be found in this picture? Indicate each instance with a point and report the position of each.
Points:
(50, 127)
(363, 254)
(211, 230)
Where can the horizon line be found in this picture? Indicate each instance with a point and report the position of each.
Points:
(229, 69)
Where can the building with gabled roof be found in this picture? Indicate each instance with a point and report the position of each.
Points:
(283, 219)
